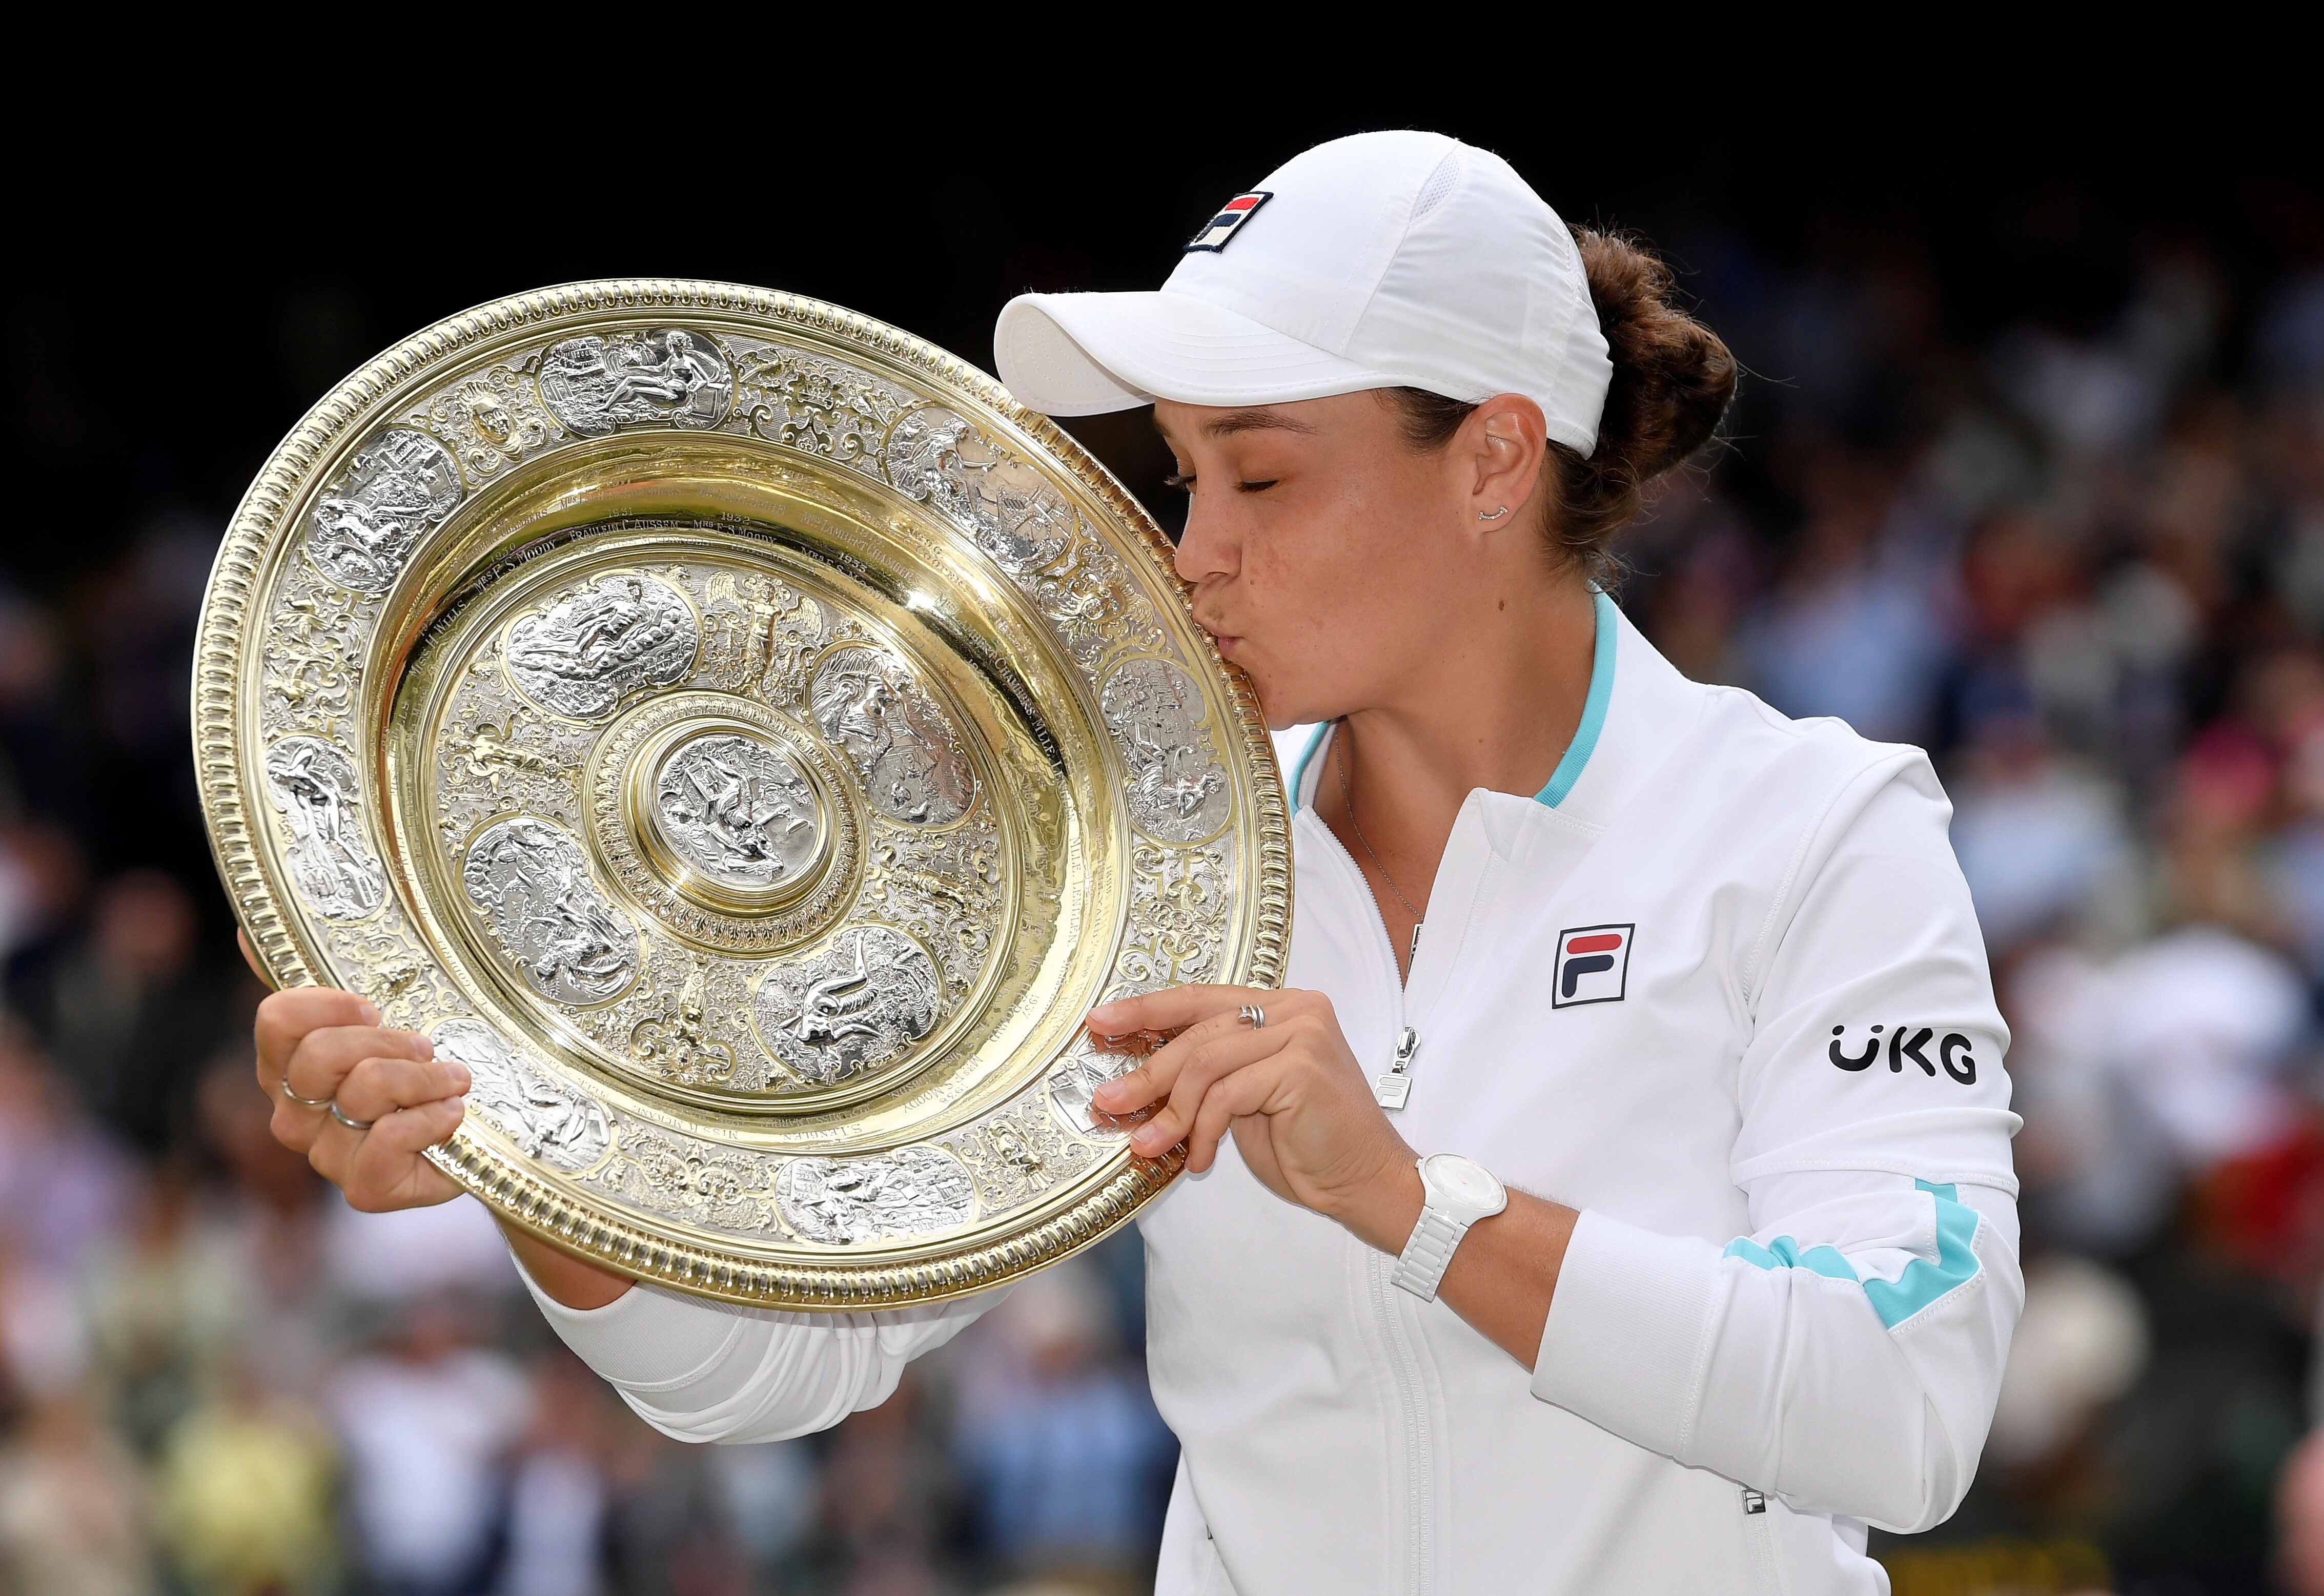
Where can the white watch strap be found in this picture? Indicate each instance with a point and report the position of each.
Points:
(1429, 1253)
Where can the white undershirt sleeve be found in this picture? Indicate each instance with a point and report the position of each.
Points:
(701, 1371)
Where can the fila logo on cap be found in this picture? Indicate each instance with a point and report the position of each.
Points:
(1224, 226)
(1593, 965)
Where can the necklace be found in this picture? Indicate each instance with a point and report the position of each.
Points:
(1348, 798)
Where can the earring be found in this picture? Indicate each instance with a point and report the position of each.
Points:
(1496, 515)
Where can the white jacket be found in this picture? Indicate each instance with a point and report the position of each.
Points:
(1721, 988)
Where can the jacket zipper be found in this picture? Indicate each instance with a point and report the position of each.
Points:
(1404, 1363)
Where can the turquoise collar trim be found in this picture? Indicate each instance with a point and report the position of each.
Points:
(1585, 736)
(1593, 708)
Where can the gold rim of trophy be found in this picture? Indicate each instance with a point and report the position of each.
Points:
(750, 742)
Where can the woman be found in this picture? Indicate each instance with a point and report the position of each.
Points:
(1713, 1260)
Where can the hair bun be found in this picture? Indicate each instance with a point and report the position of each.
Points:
(1672, 375)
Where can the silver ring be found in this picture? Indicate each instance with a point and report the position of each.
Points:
(340, 1114)
(302, 1102)
(1254, 1016)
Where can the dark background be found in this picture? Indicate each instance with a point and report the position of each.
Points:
(2079, 291)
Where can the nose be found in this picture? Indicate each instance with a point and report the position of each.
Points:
(1207, 549)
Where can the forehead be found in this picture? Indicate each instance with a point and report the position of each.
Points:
(1302, 417)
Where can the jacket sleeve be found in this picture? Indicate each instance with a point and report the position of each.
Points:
(1845, 1356)
(701, 1370)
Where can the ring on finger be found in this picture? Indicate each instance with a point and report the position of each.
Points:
(302, 1102)
(1254, 1016)
(342, 1116)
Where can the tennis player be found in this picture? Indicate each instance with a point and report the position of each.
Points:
(1617, 1197)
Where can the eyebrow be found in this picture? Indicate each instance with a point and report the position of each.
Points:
(1251, 420)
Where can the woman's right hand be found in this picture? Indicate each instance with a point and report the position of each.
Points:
(329, 1048)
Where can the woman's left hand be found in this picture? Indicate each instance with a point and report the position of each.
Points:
(1299, 1103)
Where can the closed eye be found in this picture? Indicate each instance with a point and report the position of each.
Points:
(1256, 487)
(1183, 483)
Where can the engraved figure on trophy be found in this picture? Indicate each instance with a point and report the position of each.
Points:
(529, 881)
(873, 993)
(738, 810)
(1014, 512)
(314, 788)
(593, 646)
(867, 701)
(400, 487)
(1177, 792)
(846, 1202)
(669, 378)
(564, 1128)
(757, 634)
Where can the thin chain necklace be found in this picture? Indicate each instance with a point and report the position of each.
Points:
(1348, 799)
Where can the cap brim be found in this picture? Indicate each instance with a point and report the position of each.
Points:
(1083, 355)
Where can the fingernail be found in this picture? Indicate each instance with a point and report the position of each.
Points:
(1104, 1013)
(369, 1010)
(461, 1079)
(1110, 1090)
(421, 1047)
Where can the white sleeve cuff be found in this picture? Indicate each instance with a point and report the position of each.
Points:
(1625, 1341)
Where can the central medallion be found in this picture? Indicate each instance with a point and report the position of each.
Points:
(729, 823)
(736, 808)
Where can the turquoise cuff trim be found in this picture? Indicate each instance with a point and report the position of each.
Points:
(1299, 771)
(1920, 1284)
(1593, 708)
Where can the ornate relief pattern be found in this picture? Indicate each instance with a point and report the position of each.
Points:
(666, 1173)
(1014, 512)
(737, 810)
(493, 419)
(1018, 1154)
(1179, 901)
(561, 1125)
(943, 887)
(314, 654)
(913, 1191)
(808, 402)
(592, 646)
(530, 885)
(497, 755)
(668, 378)
(385, 961)
(398, 487)
(316, 792)
(866, 997)
(868, 701)
(757, 637)
(1177, 792)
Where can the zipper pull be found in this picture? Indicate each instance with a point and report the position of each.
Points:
(1414, 957)
(1390, 1090)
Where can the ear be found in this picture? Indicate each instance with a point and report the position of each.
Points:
(1505, 441)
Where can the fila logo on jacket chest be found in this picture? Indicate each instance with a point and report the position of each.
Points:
(1593, 965)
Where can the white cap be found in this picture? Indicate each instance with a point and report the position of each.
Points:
(1384, 260)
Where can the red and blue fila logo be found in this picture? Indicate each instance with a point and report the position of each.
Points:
(1593, 965)
(1224, 226)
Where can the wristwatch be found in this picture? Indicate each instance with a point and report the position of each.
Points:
(1460, 1191)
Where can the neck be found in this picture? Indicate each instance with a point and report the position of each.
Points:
(1495, 706)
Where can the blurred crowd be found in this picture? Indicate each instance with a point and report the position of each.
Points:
(2078, 554)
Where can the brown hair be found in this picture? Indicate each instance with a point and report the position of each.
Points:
(1673, 379)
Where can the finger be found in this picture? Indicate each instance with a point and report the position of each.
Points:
(1211, 1063)
(377, 1087)
(1155, 1074)
(1174, 1007)
(285, 1019)
(386, 1170)
(1245, 1092)
(250, 958)
(325, 1058)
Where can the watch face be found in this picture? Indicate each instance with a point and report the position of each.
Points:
(1469, 1184)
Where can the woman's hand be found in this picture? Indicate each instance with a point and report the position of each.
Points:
(328, 1049)
(1299, 1103)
